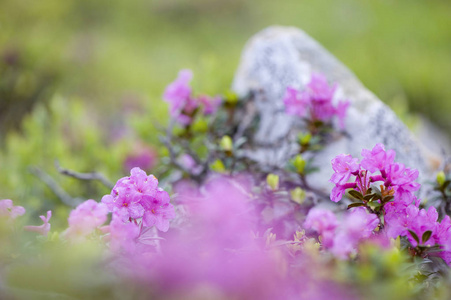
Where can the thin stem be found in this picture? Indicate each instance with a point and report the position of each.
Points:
(84, 176)
(56, 189)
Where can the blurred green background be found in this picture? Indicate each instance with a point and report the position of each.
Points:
(81, 80)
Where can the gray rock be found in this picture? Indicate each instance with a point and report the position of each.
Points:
(278, 57)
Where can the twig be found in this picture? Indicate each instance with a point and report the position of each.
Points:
(251, 112)
(56, 189)
(84, 176)
(174, 161)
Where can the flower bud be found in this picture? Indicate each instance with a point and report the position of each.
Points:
(231, 98)
(273, 181)
(299, 163)
(304, 139)
(441, 178)
(226, 144)
(200, 125)
(298, 195)
(217, 166)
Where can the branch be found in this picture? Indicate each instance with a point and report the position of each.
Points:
(56, 189)
(173, 156)
(85, 176)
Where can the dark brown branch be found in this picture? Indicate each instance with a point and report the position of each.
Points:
(85, 176)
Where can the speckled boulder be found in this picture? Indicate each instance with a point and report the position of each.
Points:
(281, 56)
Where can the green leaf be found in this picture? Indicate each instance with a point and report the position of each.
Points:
(369, 197)
(355, 205)
(310, 169)
(414, 235)
(387, 198)
(374, 204)
(426, 236)
(446, 183)
(356, 194)
(377, 191)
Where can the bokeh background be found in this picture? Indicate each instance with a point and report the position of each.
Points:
(81, 80)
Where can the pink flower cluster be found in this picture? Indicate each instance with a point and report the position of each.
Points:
(9, 212)
(139, 197)
(316, 99)
(402, 215)
(420, 226)
(377, 165)
(183, 104)
(123, 236)
(342, 238)
(85, 218)
(224, 250)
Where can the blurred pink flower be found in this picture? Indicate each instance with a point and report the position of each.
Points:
(7, 209)
(177, 93)
(142, 156)
(357, 225)
(315, 102)
(209, 104)
(123, 235)
(85, 218)
(296, 102)
(44, 228)
(324, 222)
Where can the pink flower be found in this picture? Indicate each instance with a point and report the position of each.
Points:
(316, 100)
(85, 218)
(138, 196)
(321, 95)
(321, 220)
(296, 103)
(319, 88)
(210, 104)
(177, 93)
(396, 219)
(44, 228)
(358, 224)
(343, 166)
(142, 156)
(377, 158)
(190, 164)
(420, 223)
(123, 235)
(324, 222)
(7, 209)
(442, 236)
(158, 211)
(339, 190)
(402, 178)
(341, 110)
(401, 219)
